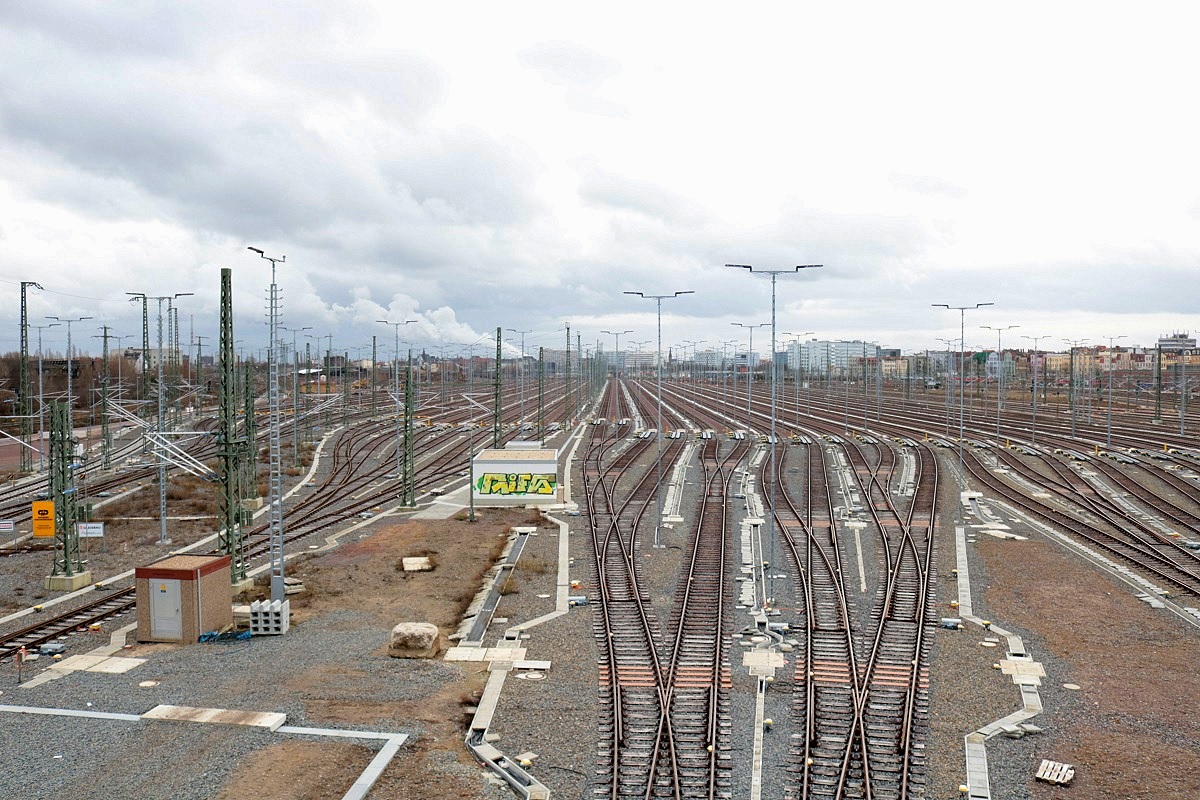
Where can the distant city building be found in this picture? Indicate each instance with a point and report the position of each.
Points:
(821, 357)
(1176, 342)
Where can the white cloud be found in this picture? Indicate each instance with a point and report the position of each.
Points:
(525, 169)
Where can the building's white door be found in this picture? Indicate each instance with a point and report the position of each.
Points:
(166, 613)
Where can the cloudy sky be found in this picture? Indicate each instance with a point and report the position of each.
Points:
(521, 165)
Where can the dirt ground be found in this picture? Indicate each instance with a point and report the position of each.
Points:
(1135, 735)
(434, 765)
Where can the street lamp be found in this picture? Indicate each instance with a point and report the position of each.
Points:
(999, 373)
(749, 366)
(1108, 435)
(522, 372)
(617, 349)
(962, 327)
(396, 388)
(296, 391)
(1071, 384)
(658, 298)
(694, 359)
(161, 424)
(1034, 356)
(41, 402)
(275, 500)
(639, 345)
(471, 454)
(70, 354)
(774, 273)
(949, 343)
(725, 379)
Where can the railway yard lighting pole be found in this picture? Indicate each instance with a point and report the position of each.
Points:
(275, 500)
(396, 390)
(1033, 356)
(693, 370)
(774, 273)
(749, 366)
(471, 454)
(962, 349)
(295, 392)
(521, 373)
(658, 298)
(1108, 433)
(725, 378)
(999, 372)
(799, 376)
(70, 399)
(617, 350)
(41, 420)
(946, 374)
(1075, 343)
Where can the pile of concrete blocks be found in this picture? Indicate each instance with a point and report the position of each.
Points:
(270, 617)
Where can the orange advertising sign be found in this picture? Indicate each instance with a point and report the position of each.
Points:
(43, 518)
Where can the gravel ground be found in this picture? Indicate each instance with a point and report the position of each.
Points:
(330, 670)
(1125, 730)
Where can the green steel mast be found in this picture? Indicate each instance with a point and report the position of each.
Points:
(67, 558)
(498, 386)
(230, 449)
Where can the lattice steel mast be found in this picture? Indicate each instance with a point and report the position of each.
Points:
(230, 448)
(275, 498)
(496, 390)
(26, 407)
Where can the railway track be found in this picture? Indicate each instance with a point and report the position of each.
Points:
(45, 630)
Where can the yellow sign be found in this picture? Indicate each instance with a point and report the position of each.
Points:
(43, 518)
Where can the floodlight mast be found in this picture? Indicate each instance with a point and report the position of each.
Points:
(616, 349)
(1035, 340)
(521, 373)
(749, 366)
(962, 326)
(1108, 436)
(999, 364)
(1075, 344)
(658, 298)
(396, 390)
(160, 402)
(275, 498)
(774, 273)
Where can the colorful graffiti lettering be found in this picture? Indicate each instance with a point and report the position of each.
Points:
(516, 483)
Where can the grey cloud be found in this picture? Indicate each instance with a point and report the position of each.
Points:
(137, 29)
(399, 86)
(606, 189)
(580, 71)
(479, 178)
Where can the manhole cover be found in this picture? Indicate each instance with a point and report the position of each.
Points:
(148, 684)
(987, 644)
(1072, 686)
(531, 676)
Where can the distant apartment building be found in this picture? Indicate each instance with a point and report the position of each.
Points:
(823, 357)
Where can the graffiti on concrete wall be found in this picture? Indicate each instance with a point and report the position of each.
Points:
(516, 483)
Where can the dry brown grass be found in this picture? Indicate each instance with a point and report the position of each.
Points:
(533, 566)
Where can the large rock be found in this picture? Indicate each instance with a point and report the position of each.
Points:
(415, 640)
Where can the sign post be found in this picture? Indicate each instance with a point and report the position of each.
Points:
(91, 530)
(43, 519)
